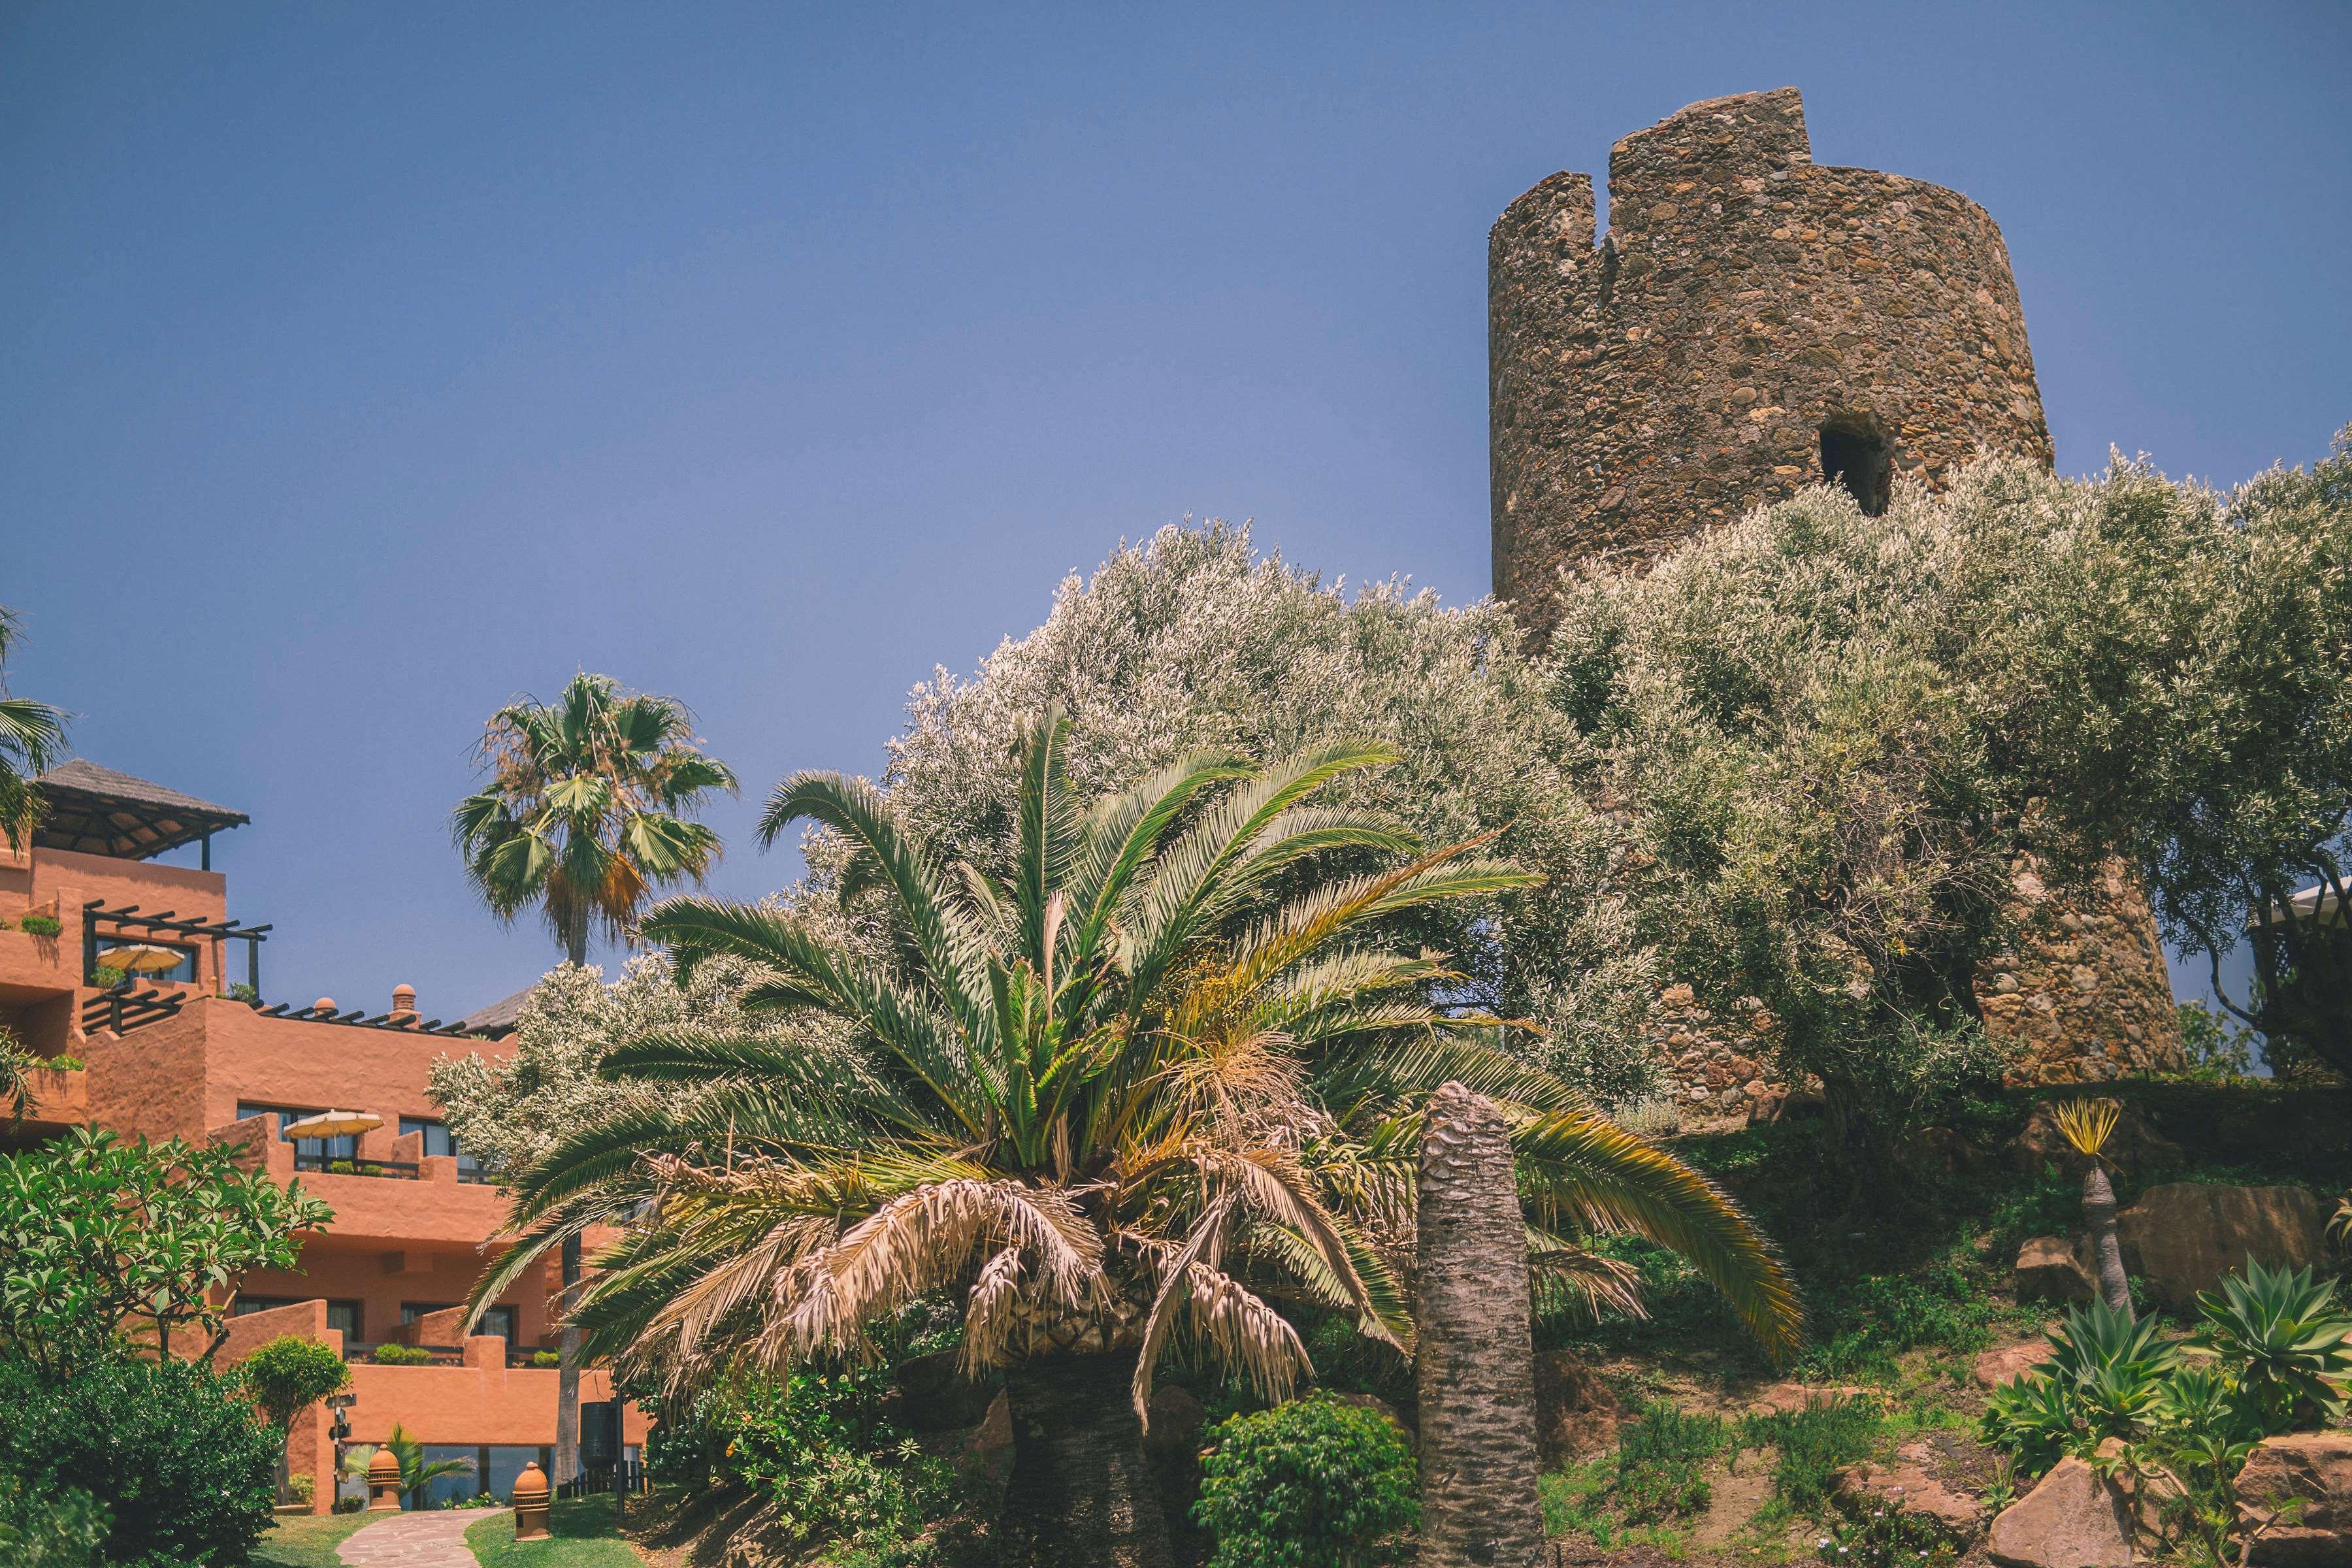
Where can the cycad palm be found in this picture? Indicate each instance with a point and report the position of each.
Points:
(1165, 1071)
(588, 811)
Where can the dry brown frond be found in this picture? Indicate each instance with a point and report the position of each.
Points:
(988, 1312)
(1245, 1332)
(922, 1241)
(1202, 1247)
(1273, 1187)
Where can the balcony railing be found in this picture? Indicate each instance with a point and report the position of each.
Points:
(344, 1165)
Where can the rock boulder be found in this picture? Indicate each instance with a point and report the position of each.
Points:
(2052, 1268)
(2072, 1518)
(2314, 1468)
(2183, 1237)
(2007, 1363)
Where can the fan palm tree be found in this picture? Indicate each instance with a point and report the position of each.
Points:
(32, 735)
(587, 811)
(2086, 1125)
(1163, 1076)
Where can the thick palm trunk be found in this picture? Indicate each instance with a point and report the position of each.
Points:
(567, 1376)
(1082, 1495)
(1474, 1368)
(2099, 1213)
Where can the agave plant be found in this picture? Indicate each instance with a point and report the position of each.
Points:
(2282, 1334)
(1119, 1105)
(2086, 1125)
(2105, 1377)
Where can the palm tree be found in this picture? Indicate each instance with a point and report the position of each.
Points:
(416, 1472)
(31, 735)
(2086, 1125)
(587, 811)
(1161, 1078)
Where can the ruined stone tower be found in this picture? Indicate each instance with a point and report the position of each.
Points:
(1753, 322)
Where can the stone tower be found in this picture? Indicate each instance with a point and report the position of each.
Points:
(1753, 322)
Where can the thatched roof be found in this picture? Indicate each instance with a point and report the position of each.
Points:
(98, 811)
(499, 1019)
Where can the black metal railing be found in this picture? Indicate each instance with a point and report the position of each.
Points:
(627, 1478)
(121, 1009)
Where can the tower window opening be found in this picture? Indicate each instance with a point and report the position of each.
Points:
(1856, 454)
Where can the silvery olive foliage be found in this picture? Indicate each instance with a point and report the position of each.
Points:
(507, 1112)
(1194, 638)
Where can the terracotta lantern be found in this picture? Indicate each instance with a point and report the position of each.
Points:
(530, 1503)
(383, 1482)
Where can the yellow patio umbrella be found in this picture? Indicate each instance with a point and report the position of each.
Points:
(333, 1124)
(140, 958)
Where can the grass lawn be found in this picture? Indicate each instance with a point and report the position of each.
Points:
(581, 1534)
(306, 1540)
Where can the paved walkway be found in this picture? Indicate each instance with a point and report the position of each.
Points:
(434, 1540)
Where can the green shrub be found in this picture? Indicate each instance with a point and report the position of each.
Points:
(1314, 1483)
(63, 1531)
(171, 1451)
(1813, 1444)
(1660, 1462)
(401, 1356)
(547, 1358)
(815, 1447)
(65, 1064)
(2280, 1334)
(41, 925)
(288, 1374)
(106, 979)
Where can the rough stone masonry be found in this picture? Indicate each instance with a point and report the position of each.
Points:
(1753, 322)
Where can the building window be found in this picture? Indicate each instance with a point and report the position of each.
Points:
(346, 1317)
(1856, 454)
(438, 1140)
(412, 1311)
(346, 1147)
(498, 1320)
(244, 1306)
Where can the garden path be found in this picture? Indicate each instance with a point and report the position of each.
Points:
(435, 1540)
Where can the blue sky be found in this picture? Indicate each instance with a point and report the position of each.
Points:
(365, 367)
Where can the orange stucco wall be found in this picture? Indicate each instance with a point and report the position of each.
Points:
(392, 1242)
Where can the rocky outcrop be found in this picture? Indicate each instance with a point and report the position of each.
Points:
(2294, 1501)
(1576, 1414)
(2182, 1238)
(2007, 1363)
(2052, 1268)
(2072, 1518)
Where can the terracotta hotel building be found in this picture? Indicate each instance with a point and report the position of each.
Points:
(193, 1044)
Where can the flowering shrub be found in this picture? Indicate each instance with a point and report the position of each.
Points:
(1882, 1537)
